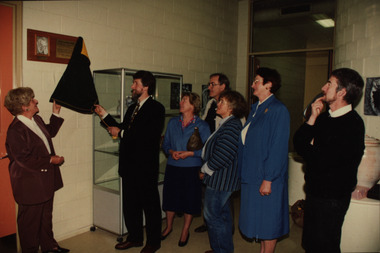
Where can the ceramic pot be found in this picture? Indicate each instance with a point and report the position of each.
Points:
(369, 168)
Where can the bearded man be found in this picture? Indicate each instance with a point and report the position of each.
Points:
(332, 145)
(140, 135)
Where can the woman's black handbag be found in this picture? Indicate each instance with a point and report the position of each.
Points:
(195, 141)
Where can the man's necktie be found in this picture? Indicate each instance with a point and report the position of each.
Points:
(134, 114)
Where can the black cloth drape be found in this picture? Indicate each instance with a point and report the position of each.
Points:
(76, 89)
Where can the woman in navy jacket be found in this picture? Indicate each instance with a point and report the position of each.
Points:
(220, 172)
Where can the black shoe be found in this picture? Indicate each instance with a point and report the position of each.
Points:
(127, 245)
(150, 249)
(183, 244)
(201, 229)
(58, 250)
(163, 237)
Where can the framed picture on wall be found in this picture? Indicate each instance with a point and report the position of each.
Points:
(187, 87)
(42, 45)
(372, 96)
(175, 93)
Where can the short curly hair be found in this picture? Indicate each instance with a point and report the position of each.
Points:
(194, 100)
(236, 102)
(16, 98)
(270, 75)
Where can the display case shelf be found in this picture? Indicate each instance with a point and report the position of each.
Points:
(110, 151)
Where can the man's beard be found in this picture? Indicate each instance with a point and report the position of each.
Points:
(135, 95)
(329, 101)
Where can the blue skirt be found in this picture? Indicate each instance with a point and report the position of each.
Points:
(182, 190)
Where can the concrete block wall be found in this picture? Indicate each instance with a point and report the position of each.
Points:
(357, 46)
(192, 38)
(242, 48)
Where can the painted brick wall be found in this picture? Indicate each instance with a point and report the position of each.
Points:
(357, 46)
(192, 38)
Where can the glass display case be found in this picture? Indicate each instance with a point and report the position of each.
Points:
(114, 91)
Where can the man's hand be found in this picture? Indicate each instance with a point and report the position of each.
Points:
(100, 110)
(316, 109)
(114, 131)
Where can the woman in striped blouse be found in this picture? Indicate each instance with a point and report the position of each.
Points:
(219, 173)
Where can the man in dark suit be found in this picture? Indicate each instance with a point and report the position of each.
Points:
(140, 134)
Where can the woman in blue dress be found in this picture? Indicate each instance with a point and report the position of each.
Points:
(182, 190)
(263, 164)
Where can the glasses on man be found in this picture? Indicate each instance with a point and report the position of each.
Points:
(213, 84)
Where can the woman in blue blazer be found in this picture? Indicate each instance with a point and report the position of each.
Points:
(220, 173)
(182, 190)
(263, 163)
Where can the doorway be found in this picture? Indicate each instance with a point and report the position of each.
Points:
(285, 35)
(10, 41)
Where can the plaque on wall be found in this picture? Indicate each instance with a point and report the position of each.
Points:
(49, 47)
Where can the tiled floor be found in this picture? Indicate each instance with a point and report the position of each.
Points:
(101, 241)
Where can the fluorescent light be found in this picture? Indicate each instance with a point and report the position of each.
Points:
(326, 22)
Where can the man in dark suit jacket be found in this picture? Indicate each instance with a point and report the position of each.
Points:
(140, 134)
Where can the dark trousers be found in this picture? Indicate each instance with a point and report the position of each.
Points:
(35, 227)
(142, 196)
(323, 222)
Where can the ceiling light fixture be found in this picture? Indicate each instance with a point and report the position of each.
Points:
(326, 23)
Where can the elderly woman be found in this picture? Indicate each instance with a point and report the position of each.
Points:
(33, 169)
(220, 173)
(182, 188)
(263, 163)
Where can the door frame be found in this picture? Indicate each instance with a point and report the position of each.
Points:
(17, 40)
(16, 81)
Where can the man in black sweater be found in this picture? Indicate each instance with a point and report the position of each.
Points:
(332, 145)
